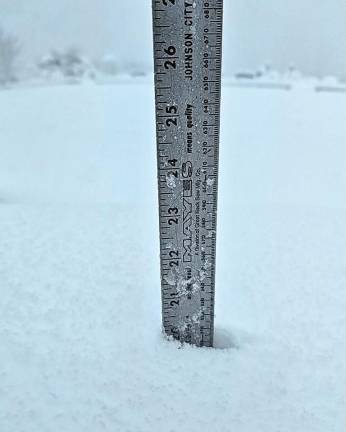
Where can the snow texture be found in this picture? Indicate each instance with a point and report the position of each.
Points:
(80, 338)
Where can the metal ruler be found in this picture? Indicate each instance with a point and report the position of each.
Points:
(187, 56)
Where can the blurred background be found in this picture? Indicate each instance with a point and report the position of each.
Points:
(114, 37)
(80, 307)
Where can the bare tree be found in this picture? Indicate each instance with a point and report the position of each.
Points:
(9, 50)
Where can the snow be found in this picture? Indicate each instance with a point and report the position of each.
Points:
(80, 339)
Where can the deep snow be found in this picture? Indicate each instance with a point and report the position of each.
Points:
(80, 342)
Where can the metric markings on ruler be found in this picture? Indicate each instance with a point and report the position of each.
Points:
(187, 60)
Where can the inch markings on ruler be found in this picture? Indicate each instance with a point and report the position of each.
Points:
(187, 59)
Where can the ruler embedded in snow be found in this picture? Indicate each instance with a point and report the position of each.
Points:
(187, 56)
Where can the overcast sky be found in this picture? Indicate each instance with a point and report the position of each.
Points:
(310, 34)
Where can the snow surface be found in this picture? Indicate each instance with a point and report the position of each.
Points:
(80, 339)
